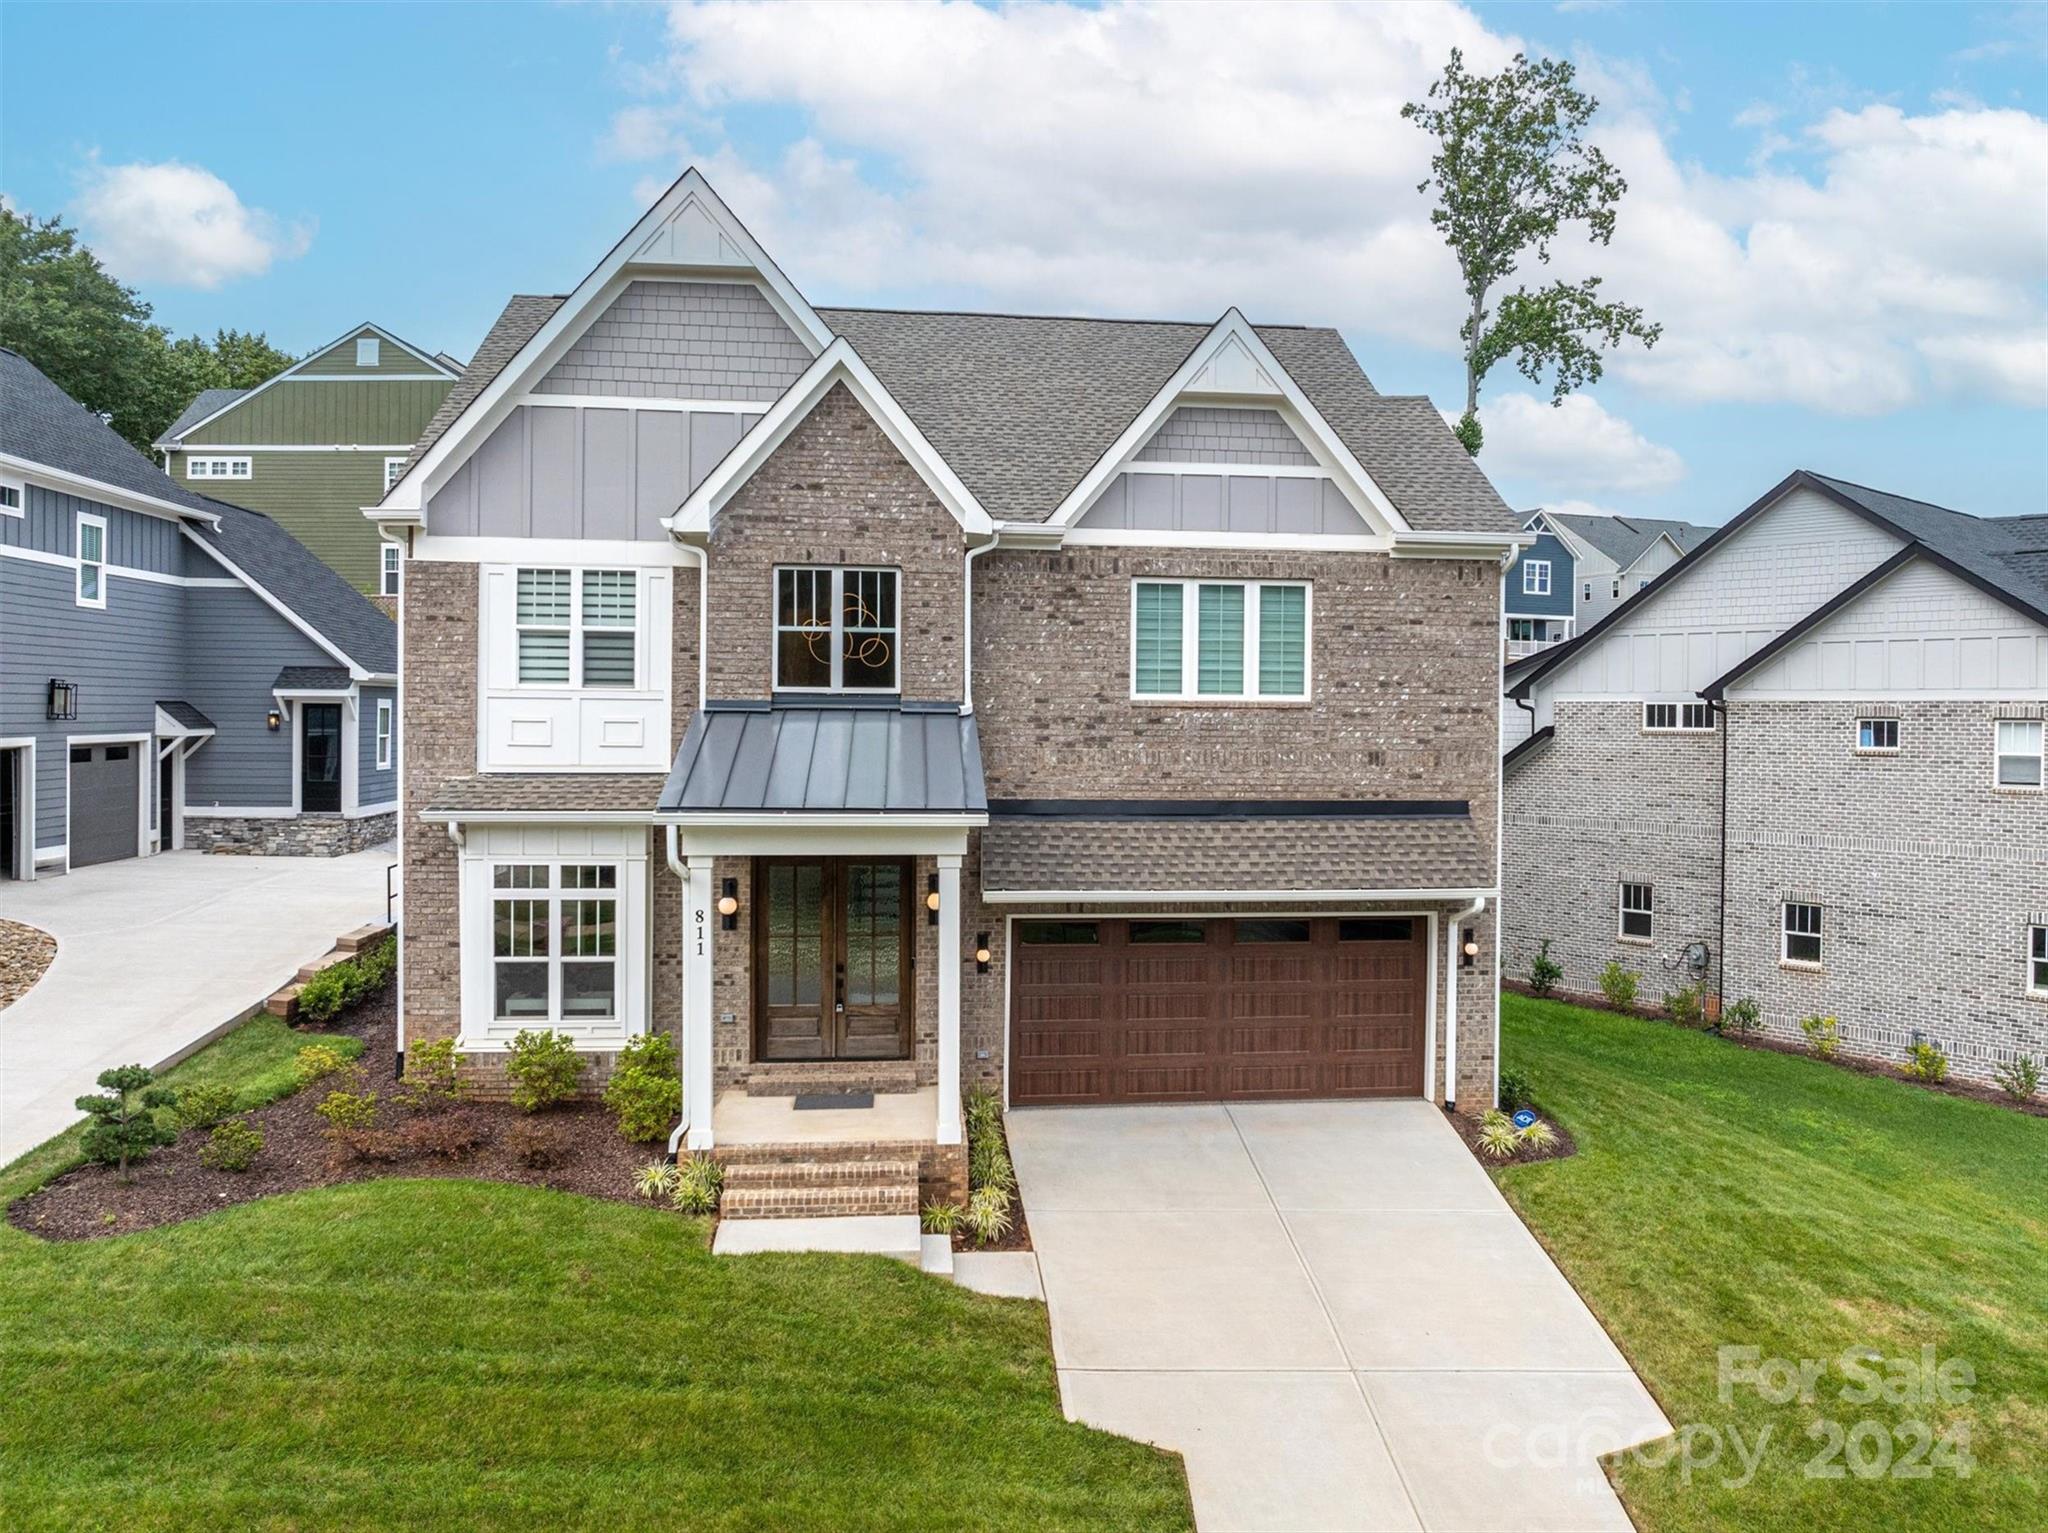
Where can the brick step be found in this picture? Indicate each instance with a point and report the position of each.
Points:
(363, 937)
(813, 1173)
(285, 1003)
(885, 1078)
(326, 961)
(819, 1202)
(800, 1151)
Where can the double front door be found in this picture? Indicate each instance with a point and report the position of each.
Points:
(832, 959)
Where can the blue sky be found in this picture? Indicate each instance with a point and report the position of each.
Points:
(1839, 212)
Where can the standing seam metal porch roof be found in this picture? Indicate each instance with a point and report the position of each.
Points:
(827, 758)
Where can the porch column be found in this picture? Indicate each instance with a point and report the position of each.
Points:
(949, 998)
(697, 1015)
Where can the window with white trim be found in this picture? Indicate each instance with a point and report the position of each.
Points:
(1801, 941)
(1535, 577)
(394, 470)
(2019, 753)
(383, 734)
(1586, 591)
(1877, 736)
(219, 468)
(1199, 640)
(1638, 912)
(2037, 960)
(1678, 718)
(13, 497)
(92, 560)
(387, 571)
(554, 943)
(577, 627)
(836, 630)
(366, 351)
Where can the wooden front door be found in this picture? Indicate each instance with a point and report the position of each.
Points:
(832, 965)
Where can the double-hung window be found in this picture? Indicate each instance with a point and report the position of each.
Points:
(1637, 912)
(387, 570)
(92, 560)
(1220, 639)
(383, 734)
(394, 470)
(1678, 718)
(1801, 934)
(554, 942)
(1535, 577)
(1877, 735)
(836, 630)
(2019, 753)
(577, 628)
(2037, 961)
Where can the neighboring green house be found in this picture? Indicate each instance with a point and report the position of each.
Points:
(316, 444)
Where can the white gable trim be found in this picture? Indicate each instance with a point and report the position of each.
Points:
(838, 363)
(1232, 365)
(1579, 551)
(1662, 537)
(87, 488)
(688, 233)
(440, 370)
(355, 671)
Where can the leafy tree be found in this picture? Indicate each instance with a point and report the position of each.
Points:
(93, 337)
(124, 1125)
(1510, 170)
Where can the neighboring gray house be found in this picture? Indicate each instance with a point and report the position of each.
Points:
(174, 671)
(1862, 680)
(1581, 567)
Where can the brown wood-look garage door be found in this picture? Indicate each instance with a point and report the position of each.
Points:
(1188, 1010)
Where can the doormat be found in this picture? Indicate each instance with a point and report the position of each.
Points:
(811, 1101)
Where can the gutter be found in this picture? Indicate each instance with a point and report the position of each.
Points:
(1451, 957)
(675, 1139)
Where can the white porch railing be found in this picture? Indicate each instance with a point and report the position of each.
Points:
(1521, 649)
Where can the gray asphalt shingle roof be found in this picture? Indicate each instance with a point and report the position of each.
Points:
(1624, 538)
(901, 759)
(311, 678)
(204, 403)
(544, 793)
(185, 714)
(43, 424)
(2010, 552)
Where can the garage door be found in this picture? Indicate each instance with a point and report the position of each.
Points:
(1217, 1010)
(104, 795)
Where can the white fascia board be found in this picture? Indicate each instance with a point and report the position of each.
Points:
(1141, 537)
(98, 489)
(1460, 545)
(1233, 329)
(797, 819)
(1572, 545)
(168, 728)
(403, 501)
(837, 363)
(439, 371)
(621, 553)
(1218, 896)
(1662, 537)
(355, 671)
(534, 816)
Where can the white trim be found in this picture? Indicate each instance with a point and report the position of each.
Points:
(1218, 896)
(439, 374)
(384, 733)
(79, 522)
(797, 819)
(1530, 585)
(390, 567)
(1458, 545)
(636, 402)
(537, 816)
(1190, 643)
(99, 490)
(1270, 542)
(235, 812)
(1662, 537)
(209, 447)
(366, 811)
(25, 803)
(1622, 911)
(20, 488)
(168, 728)
(948, 1127)
(596, 553)
(2034, 932)
(1229, 470)
(393, 461)
(274, 604)
(220, 466)
(143, 754)
(1999, 757)
(1680, 708)
(1785, 934)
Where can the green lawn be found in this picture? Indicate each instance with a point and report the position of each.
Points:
(1731, 1197)
(455, 1354)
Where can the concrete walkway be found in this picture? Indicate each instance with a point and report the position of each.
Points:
(1330, 1311)
(154, 954)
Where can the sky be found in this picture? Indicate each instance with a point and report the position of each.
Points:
(1838, 213)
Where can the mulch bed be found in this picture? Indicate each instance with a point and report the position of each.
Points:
(172, 1185)
(1019, 1238)
(25, 953)
(1468, 1130)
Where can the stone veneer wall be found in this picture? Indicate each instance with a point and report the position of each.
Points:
(307, 835)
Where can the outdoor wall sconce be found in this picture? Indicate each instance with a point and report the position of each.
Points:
(274, 719)
(63, 699)
(1471, 948)
(931, 899)
(729, 904)
(981, 953)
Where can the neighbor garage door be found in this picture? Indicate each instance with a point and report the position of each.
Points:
(1216, 1010)
(104, 796)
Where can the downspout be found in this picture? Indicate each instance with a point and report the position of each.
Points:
(1720, 707)
(967, 625)
(675, 866)
(1452, 956)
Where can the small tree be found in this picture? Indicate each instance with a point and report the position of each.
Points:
(124, 1125)
(1511, 169)
(1544, 971)
(1618, 987)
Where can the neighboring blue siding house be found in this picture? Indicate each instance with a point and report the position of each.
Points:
(174, 671)
(1580, 568)
(1539, 595)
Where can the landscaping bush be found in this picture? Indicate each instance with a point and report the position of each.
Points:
(1743, 1018)
(350, 1109)
(1618, 986)
(545, 1069)
(203, 1106)
(1544, 971)
(349, 983)
(232, 1146)
(124, 1125)
(988, 1164)
(1498, 1139)
(645, 1091)
(454, 1135)
(384, 1145)
(1517, 1089)
(988, 1214)
(432, 1081)
(699, 1180)
(1925, 1062)
(378, 965)
(538, 1146)
(656, 1179)
(941, 1218)
(1686, 1006)
(2020, 1079)
(1538, 1136)
(1823, 1035)
(316, 1060)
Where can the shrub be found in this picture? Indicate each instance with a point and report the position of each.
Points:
(2020, 1079)
(1686, 1006)
(1517, 1089)
(1823, 1035)
(204, 1106)
(1538, 1136)
(455, 1135)
(348, 1112)
(984, 1112)
(1743, 1017)
(232, 1146)
(545, 1069)
(1925, 1062)
(432, 1080)
(656, 1179)
(538, 1146)
(1618, 986)
(376, 966)
(988, 1214)
(1498, 1139)
(379, 1144)
(316, 1060)
(124, 1126)
(699, 1180)
(645, 1091)
(1544, 971)
(988, 1165)
(941, 1218)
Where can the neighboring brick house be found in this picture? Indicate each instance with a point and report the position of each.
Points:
(1091, 710)
(175, 672)
(1863, 679)
(312, 446)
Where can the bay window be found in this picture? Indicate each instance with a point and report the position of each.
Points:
(1193, 640)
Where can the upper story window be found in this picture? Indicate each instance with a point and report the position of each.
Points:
(1643, 582)
(218, 468)
(92, 560)
(1535, 577)
(1197, 639)
(1678, 718)
(1802, 934)
(1586, 591)
(1877, 735)
(13, 498)
(2019, 753)
(387, 570)
(576, 628)
(2037, 960)
(394, 470)
(1638, 912)
(366, 351)
(836, 630)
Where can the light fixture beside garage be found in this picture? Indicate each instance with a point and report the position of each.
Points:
(981, 953)
(63, 702)
(1471, 948)
(729, 904)
(931, 900)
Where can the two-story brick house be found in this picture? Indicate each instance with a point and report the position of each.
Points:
(1099, 711)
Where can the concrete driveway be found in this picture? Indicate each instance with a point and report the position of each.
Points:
(1329, 1310)
(154, 954)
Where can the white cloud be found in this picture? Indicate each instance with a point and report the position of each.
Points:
(1173, 160)
(179, 225)
(1576, 443)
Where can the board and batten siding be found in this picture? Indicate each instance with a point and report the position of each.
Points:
(315, 496)
(683, 340)
(351, 412)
